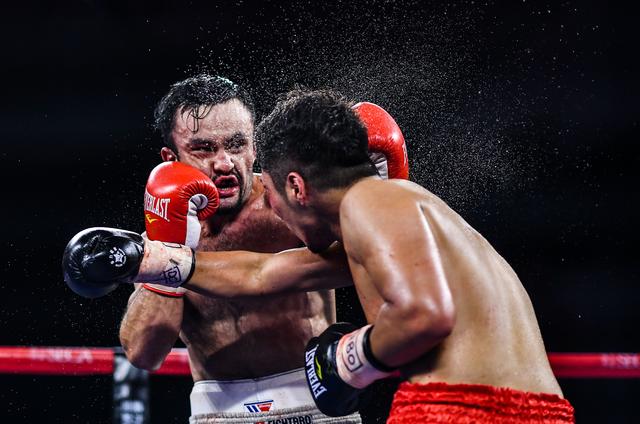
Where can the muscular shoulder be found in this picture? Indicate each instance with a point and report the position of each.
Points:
(374, 196)
(375, 209)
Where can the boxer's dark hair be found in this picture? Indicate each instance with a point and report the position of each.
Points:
(190, 94)
(317, 134)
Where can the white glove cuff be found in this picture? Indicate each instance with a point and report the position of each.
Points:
(379, 159)
(353, 366)
(197, 202)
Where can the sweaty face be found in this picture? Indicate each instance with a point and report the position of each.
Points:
(219, 142)
(301, 220)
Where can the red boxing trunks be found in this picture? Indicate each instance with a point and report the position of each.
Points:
(473, 403)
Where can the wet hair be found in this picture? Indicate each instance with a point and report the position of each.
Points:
(318, 135)
(192, 93)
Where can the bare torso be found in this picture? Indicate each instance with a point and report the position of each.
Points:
(248, 338)
(496, 339)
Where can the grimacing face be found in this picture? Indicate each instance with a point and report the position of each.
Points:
(303, 221)
(220, 144)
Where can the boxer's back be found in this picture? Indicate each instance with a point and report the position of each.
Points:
(496, 339)
(252, 337)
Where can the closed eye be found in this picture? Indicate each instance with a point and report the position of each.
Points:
(202, 145)
(236, 143)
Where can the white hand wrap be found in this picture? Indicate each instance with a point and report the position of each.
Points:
(166, 264)
(353, 366)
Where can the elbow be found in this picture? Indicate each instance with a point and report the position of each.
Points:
(138, 357)
(443, 321)
(142, 360)
(144, 364)
(428, 320)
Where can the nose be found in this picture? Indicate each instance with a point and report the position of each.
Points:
(222, 163)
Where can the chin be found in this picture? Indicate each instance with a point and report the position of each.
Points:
(229, 205)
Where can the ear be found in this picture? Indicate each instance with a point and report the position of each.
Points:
(296, 189)
(168, 155)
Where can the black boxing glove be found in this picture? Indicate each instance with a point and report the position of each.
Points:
(97, 260)
(339, 365)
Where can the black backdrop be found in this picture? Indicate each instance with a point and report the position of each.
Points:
(523, 116)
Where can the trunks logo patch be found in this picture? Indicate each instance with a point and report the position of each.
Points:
(262, 406)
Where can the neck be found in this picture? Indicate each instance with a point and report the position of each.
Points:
(328, 205)
(219, 221)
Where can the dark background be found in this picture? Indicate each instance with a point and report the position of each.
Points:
(522, 115)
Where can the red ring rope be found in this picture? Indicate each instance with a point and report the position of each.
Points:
(97, 361)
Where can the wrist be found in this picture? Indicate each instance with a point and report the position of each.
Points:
(355, 362)
(166, 264)
(368, 353)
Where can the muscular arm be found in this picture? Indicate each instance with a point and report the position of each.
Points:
(150, 327)
(241, 273)
(394, 248)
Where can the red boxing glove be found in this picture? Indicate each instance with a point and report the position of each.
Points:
(386, 142)
(176, 198)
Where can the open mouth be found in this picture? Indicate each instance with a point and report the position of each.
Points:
(227, 185)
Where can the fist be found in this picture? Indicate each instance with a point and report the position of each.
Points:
(97, 260)
(176, 198)
(331, 394)
(387, 148)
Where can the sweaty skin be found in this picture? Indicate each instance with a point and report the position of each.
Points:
(446, 306)
(418, 266)
(232, 338)
(227, 338)
(242, 338)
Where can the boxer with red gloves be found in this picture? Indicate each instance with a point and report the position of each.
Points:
(207, 124)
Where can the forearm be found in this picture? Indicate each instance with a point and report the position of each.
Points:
(402, 334)
(242, 273)
(150, 327)
(226, 274)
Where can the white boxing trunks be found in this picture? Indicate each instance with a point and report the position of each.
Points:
(276, 399)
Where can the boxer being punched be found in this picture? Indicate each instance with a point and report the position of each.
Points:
(245, 354)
